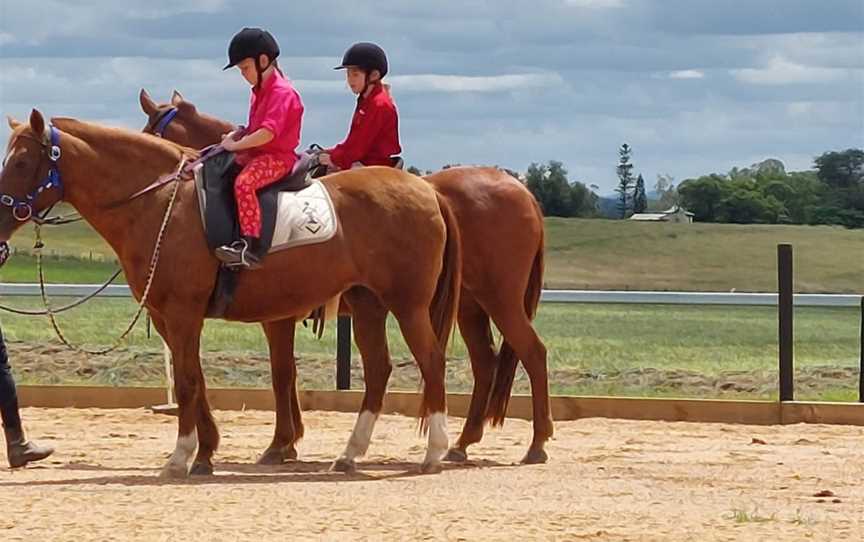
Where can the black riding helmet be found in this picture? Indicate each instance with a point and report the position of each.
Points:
(366, 56)
(251, 43)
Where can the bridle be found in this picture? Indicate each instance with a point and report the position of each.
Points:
(22, 208)
(159, 124)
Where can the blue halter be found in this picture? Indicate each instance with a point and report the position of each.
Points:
(159, 130)
(22, 209)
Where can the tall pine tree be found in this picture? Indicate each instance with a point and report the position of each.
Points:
(625, 180)
(640, 198)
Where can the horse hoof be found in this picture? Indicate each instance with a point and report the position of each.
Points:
(342, 464)
(456, 455)
(174, 472)
(201, 469)
(536, 456)
(277, 456)
(430, 467)
(271, 457)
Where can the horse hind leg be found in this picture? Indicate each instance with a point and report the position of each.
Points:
(283, 369)
(370, 333)
(418, 332)
(475, 330)
(520, 334)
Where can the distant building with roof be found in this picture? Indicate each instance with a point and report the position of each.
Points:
(675, 215)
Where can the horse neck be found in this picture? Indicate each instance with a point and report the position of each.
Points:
(100, 172)
(207, 130)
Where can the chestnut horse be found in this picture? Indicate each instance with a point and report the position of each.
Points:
(396, 249)
(501, 228)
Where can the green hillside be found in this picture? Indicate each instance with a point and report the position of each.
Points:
(585, 254)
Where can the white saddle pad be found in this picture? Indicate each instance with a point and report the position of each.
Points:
(304, 218)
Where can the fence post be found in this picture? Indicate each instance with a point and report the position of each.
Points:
(861, 353)
(785, 319)
(343, 353)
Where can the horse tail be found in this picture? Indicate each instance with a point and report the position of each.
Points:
(446, 299)
(507, 359)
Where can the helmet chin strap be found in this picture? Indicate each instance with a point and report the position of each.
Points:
(271, 64)
(260, 72)
(367, 84)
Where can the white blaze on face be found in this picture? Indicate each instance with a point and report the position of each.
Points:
(10, 152)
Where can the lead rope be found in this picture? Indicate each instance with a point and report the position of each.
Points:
(154, 260)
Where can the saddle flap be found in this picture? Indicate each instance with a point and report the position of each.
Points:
(304, 217)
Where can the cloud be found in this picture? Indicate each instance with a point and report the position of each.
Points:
(693, 85)
(170, 8)
(594, 4)
(781, 71)
(748, 17)
(455, 83)
(686, 74)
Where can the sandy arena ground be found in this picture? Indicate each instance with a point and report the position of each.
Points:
(607, 480)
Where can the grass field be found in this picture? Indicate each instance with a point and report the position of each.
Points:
(593, 349)
(612, 255)
(584, 254)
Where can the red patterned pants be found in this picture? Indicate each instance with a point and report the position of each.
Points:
(257, 173)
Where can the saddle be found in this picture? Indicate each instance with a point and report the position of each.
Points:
(214, 183)
(320, 170)
(215, 186)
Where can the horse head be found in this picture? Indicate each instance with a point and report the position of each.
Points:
(30, 183)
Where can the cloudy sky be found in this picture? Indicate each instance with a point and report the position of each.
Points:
(694, 86)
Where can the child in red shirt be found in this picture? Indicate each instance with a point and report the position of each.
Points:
(373, 139)
(266, 148)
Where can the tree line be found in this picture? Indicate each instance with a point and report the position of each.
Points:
(764, 193)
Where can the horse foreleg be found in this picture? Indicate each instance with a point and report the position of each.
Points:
(196, 428)
(283, 367)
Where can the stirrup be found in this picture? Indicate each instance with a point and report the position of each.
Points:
(237, 255)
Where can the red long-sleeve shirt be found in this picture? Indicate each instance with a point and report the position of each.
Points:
(374, 134)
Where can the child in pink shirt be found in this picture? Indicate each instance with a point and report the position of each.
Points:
(266, 148)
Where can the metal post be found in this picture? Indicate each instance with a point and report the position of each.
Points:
(785, 316)
(170, 407)
(343, 353)
(861, 353)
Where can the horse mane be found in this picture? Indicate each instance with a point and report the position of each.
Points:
(213, 119)
(188, 108)
(123, 138)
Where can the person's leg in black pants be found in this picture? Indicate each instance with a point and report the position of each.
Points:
(18, 450)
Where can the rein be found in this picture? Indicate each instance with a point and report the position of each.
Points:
(154, 260)
(53, 180)
(182, 171)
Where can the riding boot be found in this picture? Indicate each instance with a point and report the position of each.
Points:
(20, 452)
(240, 254)
(256, 251)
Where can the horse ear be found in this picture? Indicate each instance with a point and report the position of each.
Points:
(147, 104)
(37, 122)
(13, 124)
(176, 98)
